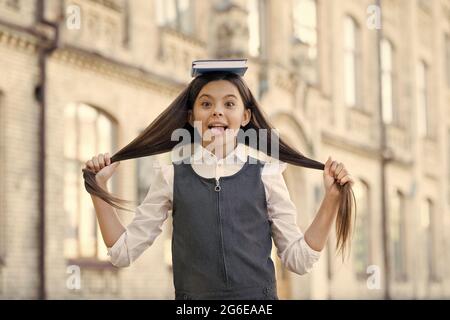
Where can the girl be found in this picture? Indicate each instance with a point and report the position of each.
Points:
(227, 204)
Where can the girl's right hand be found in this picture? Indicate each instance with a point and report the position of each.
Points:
(102, 167)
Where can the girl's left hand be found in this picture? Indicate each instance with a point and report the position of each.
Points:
(335, 173)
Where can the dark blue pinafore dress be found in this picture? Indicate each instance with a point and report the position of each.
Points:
(221, 242)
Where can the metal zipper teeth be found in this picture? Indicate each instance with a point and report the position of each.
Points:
(217, 188)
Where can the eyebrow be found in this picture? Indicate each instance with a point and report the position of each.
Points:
(207, 95)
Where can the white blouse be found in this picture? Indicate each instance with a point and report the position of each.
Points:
(295, 254)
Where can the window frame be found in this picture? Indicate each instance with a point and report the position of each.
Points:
(356, 54)
(391, 74)
(79, 258)
(299, 27)
(400, 199)
(448, 164)
(430, 239)
(423, 101)
(447, 57)
(2, 179)
(162, 13)
(258, 16)
(361, 275)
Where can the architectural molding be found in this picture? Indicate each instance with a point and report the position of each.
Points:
(17, 40)
(351, 146)
(111, 68)
(189, 39)
(110, 4)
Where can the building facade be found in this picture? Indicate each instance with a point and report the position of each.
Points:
(84, 77)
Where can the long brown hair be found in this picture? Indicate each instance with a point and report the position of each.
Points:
(156, 139)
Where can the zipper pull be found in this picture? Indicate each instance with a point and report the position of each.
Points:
(217, 188)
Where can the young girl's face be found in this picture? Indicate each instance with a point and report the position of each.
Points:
(219, 112)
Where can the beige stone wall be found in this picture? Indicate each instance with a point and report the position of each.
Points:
(19, 214)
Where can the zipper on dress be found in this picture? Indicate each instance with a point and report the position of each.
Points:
(217, 189)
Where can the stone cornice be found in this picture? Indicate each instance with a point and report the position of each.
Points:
(30, 40)
(361, 149)
(139, 77)
(190, 39)
(346, 144)
(22, 41)
(111, 4)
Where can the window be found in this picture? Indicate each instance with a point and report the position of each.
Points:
(447, 57)
(397, 236)
(427, 236)
(352, 63)
(87, 132)
(387, 80)
(422, 100)
(254, 27)
(361, 242)
(448, 165)
(176, 14)
(305, 24)
(2, 179)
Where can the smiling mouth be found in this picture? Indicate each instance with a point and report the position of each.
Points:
(215, 126)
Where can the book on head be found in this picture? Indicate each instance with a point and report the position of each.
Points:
(238, 66)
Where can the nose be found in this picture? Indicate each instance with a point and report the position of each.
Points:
(218, 111)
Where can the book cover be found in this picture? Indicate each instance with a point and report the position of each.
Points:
(237, 66)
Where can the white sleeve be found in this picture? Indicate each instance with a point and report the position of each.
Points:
(147, 222)
(295, 254)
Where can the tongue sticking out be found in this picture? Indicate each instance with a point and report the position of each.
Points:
(217, 130)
